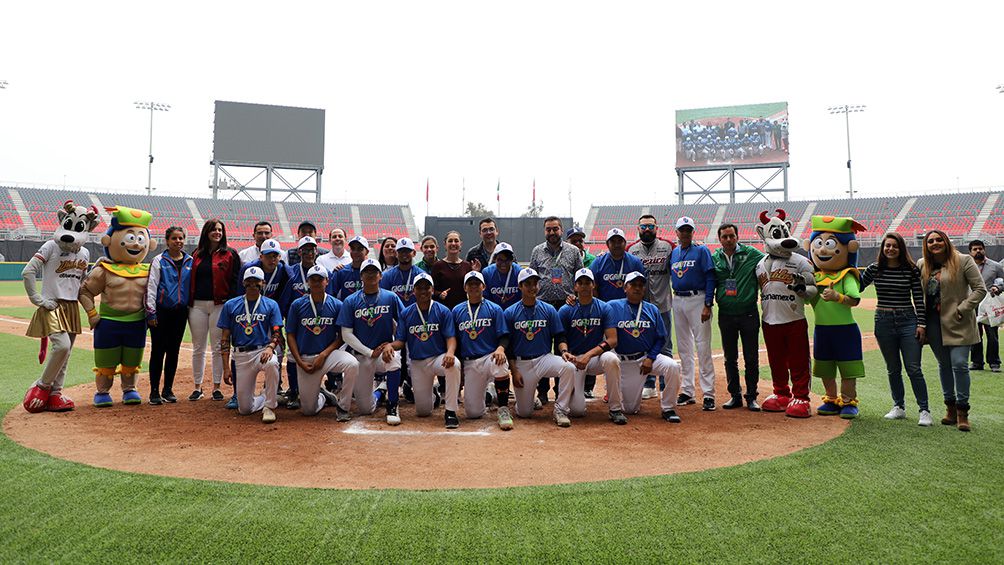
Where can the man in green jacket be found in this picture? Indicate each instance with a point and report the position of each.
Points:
(738, 316)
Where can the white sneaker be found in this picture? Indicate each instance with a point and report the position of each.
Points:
(925, 419)
(562, 420)
(267, 415)
(393, 419)
(896, 413)
(537, 404)
(648, 392)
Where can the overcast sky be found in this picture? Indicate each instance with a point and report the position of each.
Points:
(578, 91)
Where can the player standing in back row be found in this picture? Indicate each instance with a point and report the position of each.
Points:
(655, 253)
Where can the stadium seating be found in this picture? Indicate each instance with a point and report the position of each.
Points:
(874, 213)
(623, 217)
(381, 220)
(746, 215)
(325, 216)
(167, 211)
(239, 216)
(42, 205)
(9, 218)
(953, 213)
(995, 223)
(702, 214)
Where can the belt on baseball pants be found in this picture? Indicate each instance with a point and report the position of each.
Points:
(631, 356)
(519, 358)
(250, 348)
(472, 357)
(687, 292)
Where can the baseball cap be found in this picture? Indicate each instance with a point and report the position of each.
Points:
(685, 221)
(306, 240)
(270, 246)
(422, 277)
(369, 263)
(584, 273)
(526, 274)
(254, 273)
(306, 223)
(474, 275)
(405, 243)
(502, 247)
(616, 232)
(317, 271)
(634, 275)
(573, 231)
(360, 240)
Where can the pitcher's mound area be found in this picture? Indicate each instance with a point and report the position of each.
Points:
(202, 440)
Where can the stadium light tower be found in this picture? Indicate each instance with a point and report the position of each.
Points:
(846, 111)
(161, 108)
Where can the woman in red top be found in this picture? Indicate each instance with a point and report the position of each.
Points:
(448, 273)
(216, 269)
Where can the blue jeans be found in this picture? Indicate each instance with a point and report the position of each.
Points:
(953, 366)
(895, 331)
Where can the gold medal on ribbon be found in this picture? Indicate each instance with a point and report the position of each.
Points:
(317, 330)
(473, 334)
(249, 330)
(423, 336)
(635, 333)
(529, 336)
(619, 284)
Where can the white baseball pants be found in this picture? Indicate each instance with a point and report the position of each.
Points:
(423, 378)
(546, 366)
(248, 366)
(690, 329)
(368, 369)
(311, 399)
(632, 381)
(610, 365)
(478, 374)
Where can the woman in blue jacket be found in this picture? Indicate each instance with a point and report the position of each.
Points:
(167, 295)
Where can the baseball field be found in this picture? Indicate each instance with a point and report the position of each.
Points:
(881, 491)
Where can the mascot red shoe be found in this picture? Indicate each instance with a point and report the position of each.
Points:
(786, 283)
(62, 264)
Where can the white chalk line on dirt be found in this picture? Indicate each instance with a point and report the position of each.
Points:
(83, 331)
(359, 428)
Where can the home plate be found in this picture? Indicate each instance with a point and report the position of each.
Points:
(358, 428)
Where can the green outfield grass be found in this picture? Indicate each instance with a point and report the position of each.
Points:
(887, 492)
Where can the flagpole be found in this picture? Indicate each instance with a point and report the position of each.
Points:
(498, 198)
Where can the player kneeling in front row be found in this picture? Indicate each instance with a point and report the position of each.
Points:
(591, 333)
(426, 327)
(255, 332)
(535, 328)
(314, 342)
(368, 319)
(483, 338)
(640, 336)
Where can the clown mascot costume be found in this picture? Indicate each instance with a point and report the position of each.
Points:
(786, 283)
(62, 264)
(837, 339)
(119, 323)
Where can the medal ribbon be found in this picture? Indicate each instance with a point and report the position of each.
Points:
(314, 310)
(474, 316)
(249, 312)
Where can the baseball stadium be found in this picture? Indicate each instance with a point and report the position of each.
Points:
(708, 346)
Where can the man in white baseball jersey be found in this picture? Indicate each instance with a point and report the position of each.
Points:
(252, 325)
(314, 342)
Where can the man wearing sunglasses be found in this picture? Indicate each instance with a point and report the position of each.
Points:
(655, 253)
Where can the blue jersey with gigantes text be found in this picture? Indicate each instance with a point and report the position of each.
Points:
(584, 325)
(342, 284)
(313, 333)
(479, 334)
(693, 270)
(532, 328)
(401, 283)
(646, 336)
(609, 274)
(273, 285)
(426, 339)
(502, 288)
(371, 316)
(296, 285)
(233, 317)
